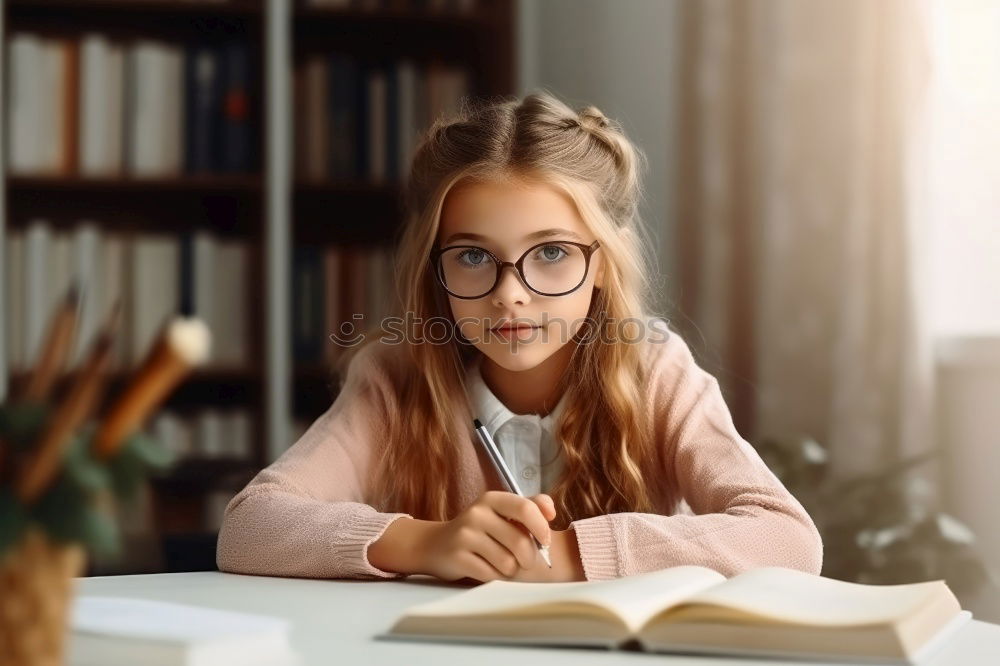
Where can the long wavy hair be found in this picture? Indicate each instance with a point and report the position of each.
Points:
(606, 436)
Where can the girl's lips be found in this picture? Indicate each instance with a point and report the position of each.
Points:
(512, 332)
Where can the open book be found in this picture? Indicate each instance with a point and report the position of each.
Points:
(770, 612)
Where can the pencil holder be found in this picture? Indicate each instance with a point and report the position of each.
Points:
(45, 536)
(36, 576)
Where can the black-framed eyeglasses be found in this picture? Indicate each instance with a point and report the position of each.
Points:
(555, 268)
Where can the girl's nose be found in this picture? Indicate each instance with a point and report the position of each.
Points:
(510, 289)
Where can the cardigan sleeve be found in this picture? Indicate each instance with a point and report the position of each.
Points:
(743, 516)
(305, 515)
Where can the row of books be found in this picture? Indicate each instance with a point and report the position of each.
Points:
(94, 107)
(144, 272)
(361, 120)
(337, 291)
(205, 434)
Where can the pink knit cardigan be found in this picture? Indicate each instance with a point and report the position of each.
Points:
(310, 513)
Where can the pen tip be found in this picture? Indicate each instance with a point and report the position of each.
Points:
(477, 423)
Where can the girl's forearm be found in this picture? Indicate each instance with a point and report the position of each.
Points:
(571, 565)
(400, 548)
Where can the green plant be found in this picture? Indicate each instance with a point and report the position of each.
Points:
(77, 506)
(882, 527)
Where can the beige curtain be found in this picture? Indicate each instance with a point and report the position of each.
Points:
(794, 239)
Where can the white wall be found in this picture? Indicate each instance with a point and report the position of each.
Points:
(963, 144)
(968, 390)
(618, 56)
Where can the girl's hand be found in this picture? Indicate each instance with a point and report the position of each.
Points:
(489, 540)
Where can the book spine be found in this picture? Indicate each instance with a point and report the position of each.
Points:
(307, 304)
(23, 105)
(86, 249)
(362, 117)
(339, 116)
(236, 109)
(14, 321)
(391, 122)
(94, 75)
(113, 278)
(377, 123)
(201, 92)
(37, 244)
(316, 86)
(69, 107)
(50, 121)
(155, 264)
(203, 267)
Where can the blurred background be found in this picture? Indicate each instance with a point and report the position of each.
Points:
(821, 188)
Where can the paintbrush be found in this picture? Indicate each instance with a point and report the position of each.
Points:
(76, 407)
(182, 344)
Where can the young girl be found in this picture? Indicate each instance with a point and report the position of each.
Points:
(520, 212)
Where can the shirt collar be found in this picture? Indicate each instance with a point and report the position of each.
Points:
(493, 413)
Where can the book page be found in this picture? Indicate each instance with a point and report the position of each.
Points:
(633, 599)
(791, 596)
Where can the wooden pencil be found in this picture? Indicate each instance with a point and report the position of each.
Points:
(54, 351)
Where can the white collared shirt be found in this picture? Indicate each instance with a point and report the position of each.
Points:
(527, 442)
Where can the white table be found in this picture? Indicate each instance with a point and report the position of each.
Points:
(334, 622)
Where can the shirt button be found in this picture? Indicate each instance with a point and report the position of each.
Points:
(529, 473)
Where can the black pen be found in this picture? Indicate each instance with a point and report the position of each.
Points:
(501, 467)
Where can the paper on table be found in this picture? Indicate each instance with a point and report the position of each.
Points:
(165, 621)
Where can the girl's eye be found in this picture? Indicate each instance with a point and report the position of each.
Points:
(551, 253)
(472, 257)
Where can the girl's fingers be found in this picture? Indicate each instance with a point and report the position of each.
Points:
(514, 537)
(546, 504)
(524, 511)
(478, 568)
(497, 555)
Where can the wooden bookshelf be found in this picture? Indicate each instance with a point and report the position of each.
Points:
(165, 18)
(237, 205)
(229, 205)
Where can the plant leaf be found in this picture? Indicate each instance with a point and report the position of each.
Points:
(130, 467)
(13, 519)
(127, 473)
(60, 510)
(100, 533)
(67, 514)
(81, 468)
(21, 423)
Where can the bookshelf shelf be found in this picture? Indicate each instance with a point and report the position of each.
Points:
(388, 32)
(206, 184)
(229, 205)
(103, 11)
(174, 19)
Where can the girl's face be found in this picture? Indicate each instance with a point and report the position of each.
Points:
(507, 220)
